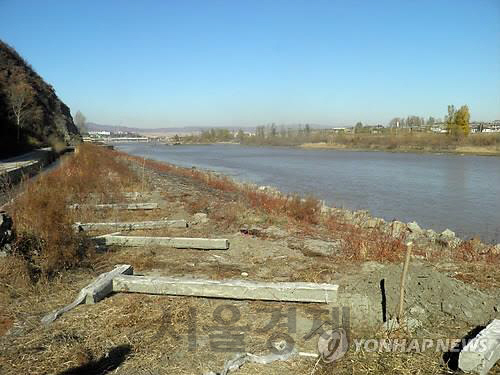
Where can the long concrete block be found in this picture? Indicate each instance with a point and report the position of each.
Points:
(117, 206)
(140, 195)
(133, 195)
(131, 225)
(231, 289)
(92, 293)
(177, 242)
(482, 352)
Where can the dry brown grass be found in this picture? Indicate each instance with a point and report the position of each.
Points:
(197, 204)
(42, 220)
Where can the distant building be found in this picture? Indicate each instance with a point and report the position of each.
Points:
(101, 133)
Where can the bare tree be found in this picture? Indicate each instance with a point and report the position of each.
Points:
(20, 97)
(80, 121)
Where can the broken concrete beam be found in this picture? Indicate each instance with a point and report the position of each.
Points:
(117, 206)
(92, 293)
(482, 352)
(177, 242)
(231, 289)
(131, 225)
(139, 194)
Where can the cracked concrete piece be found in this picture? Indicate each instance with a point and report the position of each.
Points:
(132, 225)
(92, 293)
(483, 351)
(231, 289)
(177, 242)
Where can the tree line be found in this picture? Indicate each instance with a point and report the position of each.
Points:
(457, 125)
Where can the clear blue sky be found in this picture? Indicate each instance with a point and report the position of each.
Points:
(243, 63)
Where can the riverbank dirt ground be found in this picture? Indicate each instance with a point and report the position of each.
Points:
(452, 287)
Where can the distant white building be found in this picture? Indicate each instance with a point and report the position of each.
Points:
(101, 133)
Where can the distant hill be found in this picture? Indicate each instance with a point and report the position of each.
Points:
(180, 130)
(26, 99)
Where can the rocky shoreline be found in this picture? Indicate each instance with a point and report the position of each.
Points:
(447, 240)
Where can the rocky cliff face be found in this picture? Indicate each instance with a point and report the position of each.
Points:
(31, 114)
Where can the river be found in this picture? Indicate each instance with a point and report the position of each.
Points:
(438, 191)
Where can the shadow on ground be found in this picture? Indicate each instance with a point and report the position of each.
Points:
(107, 363)
(450, 358)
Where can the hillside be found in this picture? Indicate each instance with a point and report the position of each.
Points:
(31, 114)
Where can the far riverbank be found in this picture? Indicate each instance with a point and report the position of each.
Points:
(460, 150)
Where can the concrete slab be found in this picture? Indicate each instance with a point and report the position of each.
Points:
(482, 352)
(92, 293)
(231, 289)
(131, 225)
(117, 206)
(177, 242)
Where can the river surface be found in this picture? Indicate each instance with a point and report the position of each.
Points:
(438, 191)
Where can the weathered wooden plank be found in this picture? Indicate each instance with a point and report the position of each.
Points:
(482, 352)
(231, 289)
(117, 206)
(92, 293)
(177, 242)
(131, 225)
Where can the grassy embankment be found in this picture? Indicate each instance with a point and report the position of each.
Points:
(480, 144)
(50, 260)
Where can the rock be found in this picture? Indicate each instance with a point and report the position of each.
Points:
(447, 238)
(253, 231)
(268, 189)
(272, 231)
(495, 250)
(447, 233)
(430, 234)
(370, 223)
(200, 218)
(414, 227)
(6, 234)
(313, 247)
(479, 247)
(276, 232)
(398, 228)
(244, 274)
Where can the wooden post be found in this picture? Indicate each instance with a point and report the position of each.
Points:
(403, 280)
